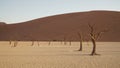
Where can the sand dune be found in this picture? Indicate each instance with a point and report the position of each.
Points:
(57, 55)
(66, 25)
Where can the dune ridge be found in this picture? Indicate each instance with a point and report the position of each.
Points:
(65, 25)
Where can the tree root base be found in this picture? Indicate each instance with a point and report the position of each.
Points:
(79, 50)
(95, 54)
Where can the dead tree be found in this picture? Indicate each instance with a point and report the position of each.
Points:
(32, 39)
(70, 42)
(65, 40)
(61, 41)
(94, 36)
(10, 42)
(81, 40)
(38, 43)
(32, 43)
(15, 43)
(49, 42)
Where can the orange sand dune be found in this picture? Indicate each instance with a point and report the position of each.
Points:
(66, 25)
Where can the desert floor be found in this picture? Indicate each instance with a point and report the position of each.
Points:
(58, 55)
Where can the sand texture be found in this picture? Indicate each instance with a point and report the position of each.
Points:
(58, 55)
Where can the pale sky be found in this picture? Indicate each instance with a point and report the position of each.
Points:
(16, 11)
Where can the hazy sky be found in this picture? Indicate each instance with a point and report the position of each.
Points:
(14, 11)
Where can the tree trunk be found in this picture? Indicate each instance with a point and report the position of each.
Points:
(32, 43)
(94, 47)
(10, 42)
(70, 43)
(15, 43)
(38, 43)
(65, 43)
(65, 40)
(80, 37)
(61, 41)
(80, 46)
(49, 43)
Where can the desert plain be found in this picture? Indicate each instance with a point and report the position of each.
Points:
(58, 55)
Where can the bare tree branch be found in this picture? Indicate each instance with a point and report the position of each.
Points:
(95, 36)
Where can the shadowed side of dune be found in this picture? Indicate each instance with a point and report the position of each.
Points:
(64, 26)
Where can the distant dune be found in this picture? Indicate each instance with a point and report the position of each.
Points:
(64, 26)
(2, 23)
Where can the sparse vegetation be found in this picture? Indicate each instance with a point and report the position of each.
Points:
(58, 56)
(15, 43)
(10, 42)
(94, 36)
(70, 42)
(38, 43)
(81, 40)
(65, 40)
(32, 43)
(49, 42)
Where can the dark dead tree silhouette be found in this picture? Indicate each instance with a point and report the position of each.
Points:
(94, 36)
(64, 40)
(61, 41)
(38, 43)
(10, 42)
(16, 39)
(80, 40)
(49, 42)
(32, 42)
(15, 43)
(70, 40)
(32, 39)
